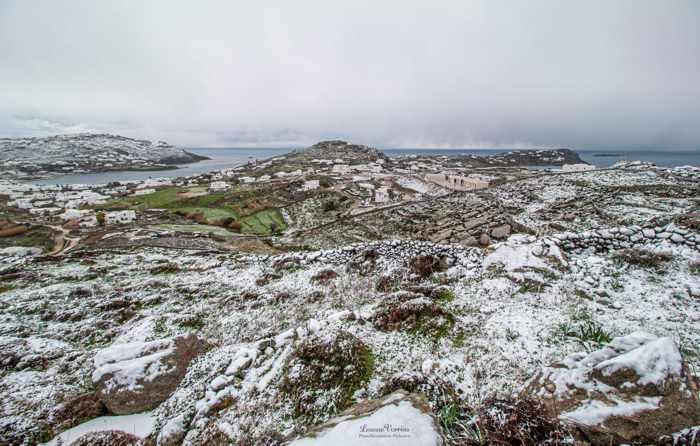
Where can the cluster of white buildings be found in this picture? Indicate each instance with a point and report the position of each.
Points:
(219, 186)
(577, 167)
(64, 203)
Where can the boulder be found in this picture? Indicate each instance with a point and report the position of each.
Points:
(134, 377)
(323, 373)
(399, 418)
(500, 232)
(107, 438)
(635, 389)
(468, 241)
(484, 240)
(76, 410)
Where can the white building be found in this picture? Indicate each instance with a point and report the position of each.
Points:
(143, 192)
(218, 186)
(341, 169)
(294, 173)
(577, 167)
(381, 195)
(310, 185)
(44, 211)
(247, 180)
(155, 182)
(21, 204)
(120, 217)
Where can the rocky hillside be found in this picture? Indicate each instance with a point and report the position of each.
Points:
(87, 153)
(535, 336)
(557, 157)
(332, 150)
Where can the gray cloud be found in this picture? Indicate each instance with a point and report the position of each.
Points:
(581, 73)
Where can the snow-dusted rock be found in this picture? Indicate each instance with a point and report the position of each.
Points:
(134, 377)
(635, 389)
(107, 438)
(522, 252)
(124, 430)
(500, 232)
(397, 419)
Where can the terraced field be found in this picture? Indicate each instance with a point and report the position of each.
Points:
(213, 207)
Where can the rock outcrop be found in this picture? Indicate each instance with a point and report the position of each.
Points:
(635, 389)
(134, 377)
(342, 150)
(324, 372)
(107, 438)
(398, 418)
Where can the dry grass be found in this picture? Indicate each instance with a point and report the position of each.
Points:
(514, 422)
(643, 258)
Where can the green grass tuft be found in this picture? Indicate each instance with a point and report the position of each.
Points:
(583, 329)
(445, 295)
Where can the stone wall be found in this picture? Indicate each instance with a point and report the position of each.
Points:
(627, 237)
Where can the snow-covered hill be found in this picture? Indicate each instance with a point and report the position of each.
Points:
(86, 152)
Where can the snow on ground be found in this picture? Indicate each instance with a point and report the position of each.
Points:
(392, 425)
(140, 424)
(503, 330)
(516, 307)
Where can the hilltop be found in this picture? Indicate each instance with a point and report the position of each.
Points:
(342, 150)
(86, 152)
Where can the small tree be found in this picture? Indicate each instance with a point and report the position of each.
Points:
(324, 182)
(101, 218)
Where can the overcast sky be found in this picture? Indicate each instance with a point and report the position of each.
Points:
(492, 73)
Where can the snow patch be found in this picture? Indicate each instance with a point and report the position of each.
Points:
(394, 424)
(140, 424)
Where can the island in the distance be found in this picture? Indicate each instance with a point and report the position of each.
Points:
(27, 158)
(33, 158)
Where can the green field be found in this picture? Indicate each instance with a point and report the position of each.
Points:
(261, 222)
(212, 206)
(168, 199)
